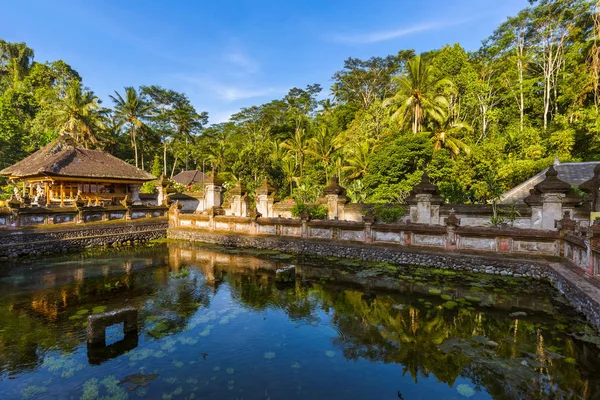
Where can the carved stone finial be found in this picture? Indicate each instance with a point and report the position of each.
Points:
(305, 216)
(551, 184)
(566, 223)
(254, 214)
(369, 218)
(14, 202)
(452, 220)
(334, 187)
(265, 188)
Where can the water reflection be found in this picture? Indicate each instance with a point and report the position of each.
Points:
(221, 323)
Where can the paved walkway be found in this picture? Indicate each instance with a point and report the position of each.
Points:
(588, 284)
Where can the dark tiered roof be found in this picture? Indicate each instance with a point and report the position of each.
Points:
(187, 178)
(62, 158)
(572, 173)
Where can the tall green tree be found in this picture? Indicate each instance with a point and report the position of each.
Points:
(133, 110)
(418, 95)
(79, 114)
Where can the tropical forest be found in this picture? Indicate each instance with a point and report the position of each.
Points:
(478, 122)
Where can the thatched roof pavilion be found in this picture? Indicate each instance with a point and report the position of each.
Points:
(61, 170)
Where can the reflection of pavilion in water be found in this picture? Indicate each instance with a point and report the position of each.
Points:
(62, 289)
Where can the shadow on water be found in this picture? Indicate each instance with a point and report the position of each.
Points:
(222, 323)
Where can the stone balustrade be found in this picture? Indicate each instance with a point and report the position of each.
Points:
(19, 216)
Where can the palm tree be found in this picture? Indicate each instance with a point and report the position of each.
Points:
(358, 159)
(418, 93)
(444, 136)
(289, 168)
(132, 110)
(217, 154)
(323, 145)
(78, 113)
(187, 122)
(298, 145)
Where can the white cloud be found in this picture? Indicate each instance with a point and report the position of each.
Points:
(241, 60)
(230, 92)
(233, 93)
(380, 36)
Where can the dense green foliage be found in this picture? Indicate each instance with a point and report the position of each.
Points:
(388, 213)
(475, 121)
(315, 212)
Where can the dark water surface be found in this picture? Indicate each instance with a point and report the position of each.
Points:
(219, 323)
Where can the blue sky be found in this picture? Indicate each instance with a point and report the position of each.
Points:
(230, 54)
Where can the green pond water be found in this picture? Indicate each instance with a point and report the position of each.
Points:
(219, 323)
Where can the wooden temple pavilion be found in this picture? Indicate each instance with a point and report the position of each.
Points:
(58, 172)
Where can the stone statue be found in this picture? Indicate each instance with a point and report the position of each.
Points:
(16, 194)
(39, 197)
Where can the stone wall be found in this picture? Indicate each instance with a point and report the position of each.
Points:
(449, 237)
(370, 252)
(32, 242)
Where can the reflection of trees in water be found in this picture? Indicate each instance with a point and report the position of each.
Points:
(36, 320)
(511, 358)
(381, 328)
(376, 326)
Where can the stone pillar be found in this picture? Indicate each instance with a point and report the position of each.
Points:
(553, 193)
(451, 224)
(368, 220)
(212, 190)
(334, 196)
(265, 198)
(425, 202)
(239, 201)
(174, 211)
(304, 218)
(134, 189)
(161, 188)
(534, 200)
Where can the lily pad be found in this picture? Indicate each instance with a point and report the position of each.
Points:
(98, 309)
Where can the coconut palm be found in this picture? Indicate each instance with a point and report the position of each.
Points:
(132, 110)
(358, 159)
(298, 146)
(289, 168)
(444, 136)
(78, 113)
(323, 145)
(418, 94)
(217, 154)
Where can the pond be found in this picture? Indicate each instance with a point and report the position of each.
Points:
(221, 323)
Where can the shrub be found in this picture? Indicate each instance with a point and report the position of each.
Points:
(388, 213)
(315, 212)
